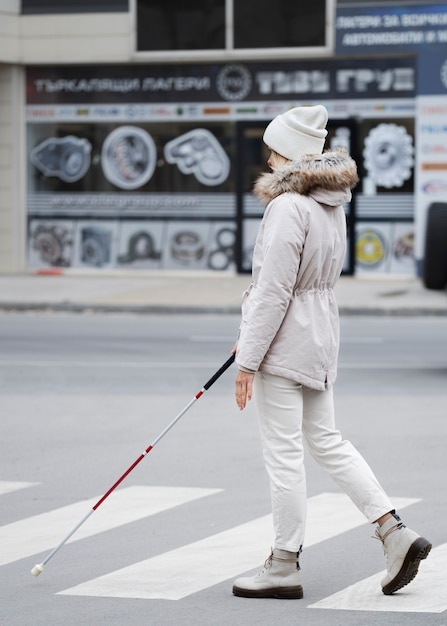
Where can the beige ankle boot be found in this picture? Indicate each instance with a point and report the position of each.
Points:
(279, 578)
(404, 550)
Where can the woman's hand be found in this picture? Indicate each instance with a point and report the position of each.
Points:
(244, 388)
(244, 385)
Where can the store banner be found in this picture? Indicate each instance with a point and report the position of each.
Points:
(388, 26)
(234, 84)
(388, 29)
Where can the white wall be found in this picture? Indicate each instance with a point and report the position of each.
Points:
(9, 31)
(12, 169)
(68, 38)
(75, 38)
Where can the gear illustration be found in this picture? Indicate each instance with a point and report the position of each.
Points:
(388, 155)
(53, 243)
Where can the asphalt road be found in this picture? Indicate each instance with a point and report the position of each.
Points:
(82, 396)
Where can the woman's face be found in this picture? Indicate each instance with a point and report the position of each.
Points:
(276, 161)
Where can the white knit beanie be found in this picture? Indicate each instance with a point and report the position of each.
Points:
(297, 132)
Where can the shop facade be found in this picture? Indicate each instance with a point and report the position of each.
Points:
(139, 165)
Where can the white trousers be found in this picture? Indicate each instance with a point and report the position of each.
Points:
(290, 413)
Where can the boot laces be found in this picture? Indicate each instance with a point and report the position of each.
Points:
(387, 534)
(272, 557)
(267, 564)
(268, 561)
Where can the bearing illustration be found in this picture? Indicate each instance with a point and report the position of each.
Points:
(370, 248)
(199, 153)
(403, 247)
(187, 247)
(140, 247)
(223, 255)
(95, 245)
(388, 155)
(68, 158)
(128, 157)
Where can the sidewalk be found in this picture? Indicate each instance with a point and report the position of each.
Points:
(199, 292)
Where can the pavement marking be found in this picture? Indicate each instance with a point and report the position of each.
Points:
(212, 338)
(169, 576)
(91, 363)
(388, 365)
(368, 340)
(392, 366)
(42, 532)
(426, 594)
(7, 486)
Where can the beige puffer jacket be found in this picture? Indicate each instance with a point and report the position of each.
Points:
(290, 324)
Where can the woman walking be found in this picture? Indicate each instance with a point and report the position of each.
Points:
(287, 351)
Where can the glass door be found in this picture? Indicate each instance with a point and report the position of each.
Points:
(252, 155)
(251, 161)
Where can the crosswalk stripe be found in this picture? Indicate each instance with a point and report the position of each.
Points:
(427, 593)
(7, 486)
(196, 566)
(41, 532)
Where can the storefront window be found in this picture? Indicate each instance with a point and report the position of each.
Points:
(291, 24)
(178, 25)
(36, 7)
(105, 157)
(170, 25)
(131, 195)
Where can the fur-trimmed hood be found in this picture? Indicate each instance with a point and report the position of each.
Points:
(327, 177)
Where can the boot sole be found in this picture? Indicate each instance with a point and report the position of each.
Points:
(282, 593)
(418, 551)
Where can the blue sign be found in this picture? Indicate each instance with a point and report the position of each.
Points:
(420, 29)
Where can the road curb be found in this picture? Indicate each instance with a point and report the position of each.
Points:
(116, 308)
(160, 309)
